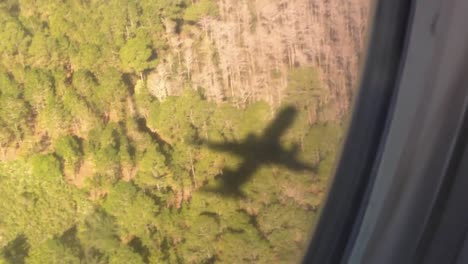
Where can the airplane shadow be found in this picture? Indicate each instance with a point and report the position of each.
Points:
(255, 152)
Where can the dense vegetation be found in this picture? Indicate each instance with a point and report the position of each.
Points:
(94, 169)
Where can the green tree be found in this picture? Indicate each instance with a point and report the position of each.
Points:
(286, 228)
(36, 201)
(83, 116)
(135, 55)
(12, 33)
(88, 57)
(39, 49)
(125, 255)
(153, 174)
(103, 145)
(98, 234)
(52, 120)
(38, 88)
(53, 252)
(46, 167)
(68, 148)
(134, 212)
(200, 9)
(8, 86)
(15, 115)
(109, 96)
(84, 83)
(304, 90)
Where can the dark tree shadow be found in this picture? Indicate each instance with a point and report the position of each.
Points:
(17, 250)
(256, 152)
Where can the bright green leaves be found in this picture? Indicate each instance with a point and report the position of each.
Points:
(153, 174)
(134, 212)
(69, 149)
(52, 120)
(87, 57)
(104, 146)
(254, 119)
(199, 9)
(111, 92)
(12, 34)
(53, 252)
(39, 49)
(47, 168)
(98, 234)
(305, 92)
(103, 157)
(283, 226)
(200, 239)
(35, 200)
(244, 246)
(304, 83)
(321, 142)
(15, 251)
(104, 93)
(179, 118)
(8, 86)
(15, 114)
(38, 88)
(136, 54)
(171, 9)
(84, 83)
(125, 255)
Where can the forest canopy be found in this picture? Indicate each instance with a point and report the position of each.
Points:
(95, 168)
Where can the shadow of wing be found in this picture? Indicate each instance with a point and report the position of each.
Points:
(280, 124)
(231, 181)
(231, 147)
(297, 165)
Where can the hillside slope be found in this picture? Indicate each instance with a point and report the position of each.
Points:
(245, 51)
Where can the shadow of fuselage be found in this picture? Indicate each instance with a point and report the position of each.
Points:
(257, 151)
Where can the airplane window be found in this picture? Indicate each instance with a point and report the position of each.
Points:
(171, 131)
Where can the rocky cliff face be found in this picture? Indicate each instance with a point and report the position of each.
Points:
(246, 52)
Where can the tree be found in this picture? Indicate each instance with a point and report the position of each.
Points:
(12, 34)
(109, 96)
(38, 88)
(321, 141)
(68, 148)
(304, 90)
(88, 57)
(153, 174)
(46, 167)
(103, 145)
(52, 119)
(53, 252)
(83, 116)
(36, 202)
(134, 212)
(84, 82)
(98, 234)
(200, 9)
(15, 114)
(8, 86)
(124, 255)
(15, 251)
(285, 226)
(95, 169)
(135, 55)
(39, 49)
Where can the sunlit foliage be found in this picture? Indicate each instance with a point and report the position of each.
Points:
(93, 169)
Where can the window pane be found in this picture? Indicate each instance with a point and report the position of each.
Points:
(171, 131)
